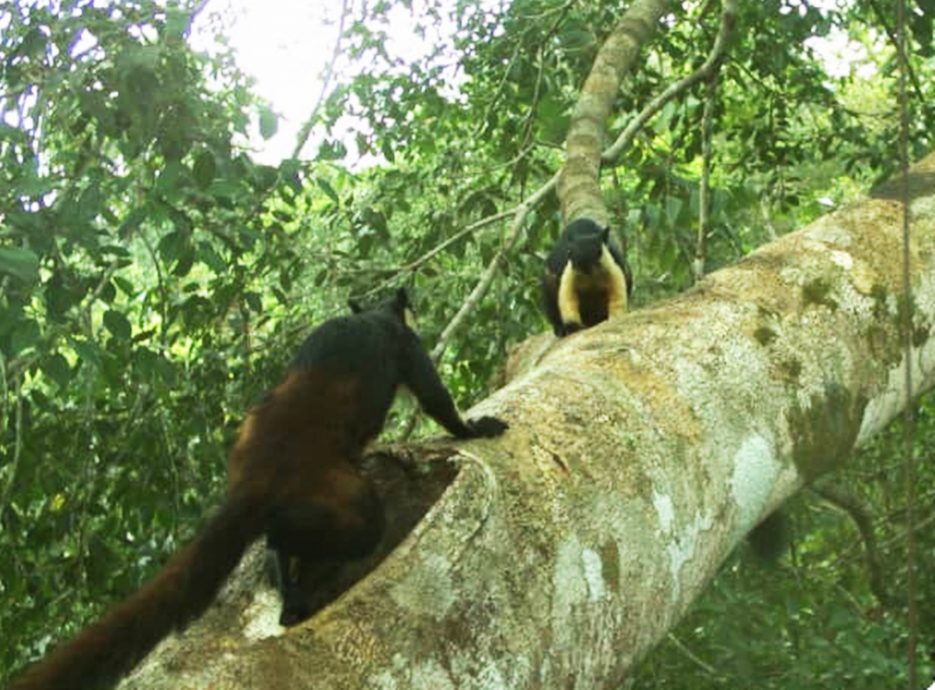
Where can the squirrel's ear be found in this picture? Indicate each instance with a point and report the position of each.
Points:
(404, 309)
(354, 305)
(402, 299)
(605, 235)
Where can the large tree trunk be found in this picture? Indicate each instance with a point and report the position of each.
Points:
(639, 453)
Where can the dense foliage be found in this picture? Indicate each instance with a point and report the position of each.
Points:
(155, 276)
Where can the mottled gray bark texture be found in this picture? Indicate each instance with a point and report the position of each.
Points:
(640, 452)
(578, 188)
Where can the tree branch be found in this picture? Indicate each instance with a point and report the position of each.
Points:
(477, 294)
(892, 35)
(578, 188)
(704, 186)
(860, 513)
(194, 13)
(700, 663)
(18, 439)
(708, 68)
(438, 249)
(639, 18)
(306, 129)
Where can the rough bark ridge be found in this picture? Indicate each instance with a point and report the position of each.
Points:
(640, 452)
(578, 188)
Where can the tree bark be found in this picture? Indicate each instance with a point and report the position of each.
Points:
(640, 452)
(578, 189)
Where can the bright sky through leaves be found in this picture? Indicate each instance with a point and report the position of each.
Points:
(286, 45)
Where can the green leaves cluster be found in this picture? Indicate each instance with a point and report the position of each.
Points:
(139, 264)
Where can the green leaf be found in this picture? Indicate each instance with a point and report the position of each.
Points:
(290, 172)
(253, 301)
(116, 250)
(108, 293)
(196, 311)
(204, 169)
(377, 221)
(126, 287)
(185, 262)
(207, 255)
(9, 318)
(131, 222)
(172, 245)
(673, 209)
(170, 178)
(32, 184)
(61, 295)
(20, 263)
(89, 202)
(576, 36)
(177, 22)
(117, 324)
(227, 189)
(269, 123)
(56, 368)
(33, 43)
(11, 133)
(553, 119)
(248, 237)
(290, 167)
(331, 150)
(26, 335)
(156, 368)
(264, 177)
(139, 57)
(327, 189)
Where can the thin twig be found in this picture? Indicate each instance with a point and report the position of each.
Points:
(102, 283)
(920, 525)
(4, 389)
(193, 15)
(163, 294)
(517, 50)
(306, 128)
(482, 121)
(17, 447)
(431, 254)
(473, 227)
(898, 38)
(704, 188)
(861, 515)
(477, 294)
(703, 665)
(906, 328)
(537, 91)
(519, 214)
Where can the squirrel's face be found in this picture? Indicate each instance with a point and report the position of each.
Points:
(585, 255)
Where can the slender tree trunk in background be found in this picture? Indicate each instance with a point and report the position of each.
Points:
(578, 188)
(640, 452)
